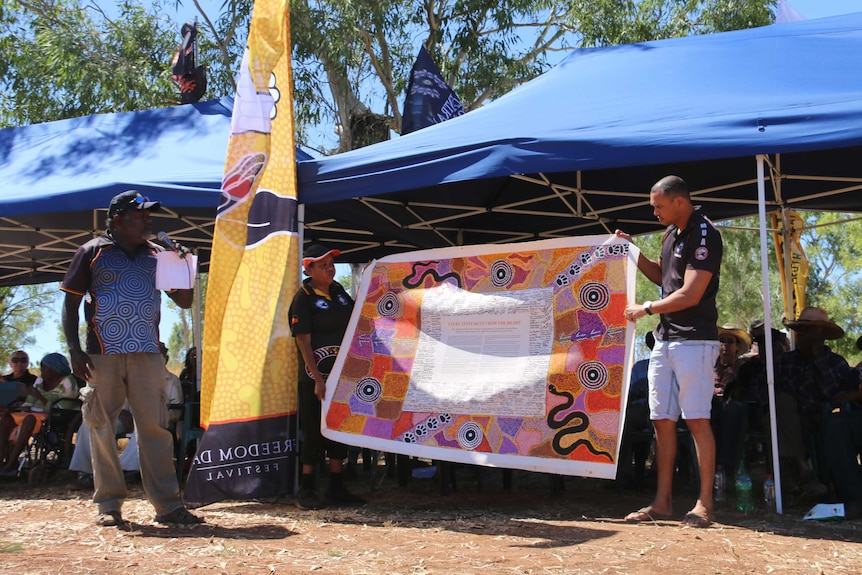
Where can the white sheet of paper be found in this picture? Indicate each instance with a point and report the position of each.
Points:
(174, 272)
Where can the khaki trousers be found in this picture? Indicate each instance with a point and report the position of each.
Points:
(140, 379)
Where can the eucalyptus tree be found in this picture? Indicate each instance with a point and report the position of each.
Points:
(65, 58)
(21, 310)
(353, 59)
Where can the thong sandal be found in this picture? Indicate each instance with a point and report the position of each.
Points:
(645, 514)
(698, 520)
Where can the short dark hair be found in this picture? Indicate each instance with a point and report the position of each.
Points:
(673, 187)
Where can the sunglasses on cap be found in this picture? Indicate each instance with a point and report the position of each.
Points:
(20, 360)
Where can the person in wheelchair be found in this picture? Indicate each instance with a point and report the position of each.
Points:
(19, 424)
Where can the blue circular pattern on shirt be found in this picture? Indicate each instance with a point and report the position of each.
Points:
(127, 303)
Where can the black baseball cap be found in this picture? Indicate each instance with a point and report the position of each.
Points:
(130, 200)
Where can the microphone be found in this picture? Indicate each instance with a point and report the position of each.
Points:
(171, 244)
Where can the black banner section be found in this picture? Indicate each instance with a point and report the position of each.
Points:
(244, 460)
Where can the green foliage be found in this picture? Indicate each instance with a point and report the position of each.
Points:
(63, 59)
(21, 314)
(740, 293)
(833, 246)
(182, 335)
(352, 57)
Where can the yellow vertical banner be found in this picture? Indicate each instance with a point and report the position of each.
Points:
(248, 387)
(798, 262)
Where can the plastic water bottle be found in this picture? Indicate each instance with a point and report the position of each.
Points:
(719, 493)
(769, 493)
(744, 502)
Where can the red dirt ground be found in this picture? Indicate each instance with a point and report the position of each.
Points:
(415, 530)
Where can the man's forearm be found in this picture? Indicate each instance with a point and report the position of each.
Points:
(70, 325)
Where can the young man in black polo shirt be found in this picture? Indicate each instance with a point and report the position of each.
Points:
(681, 365)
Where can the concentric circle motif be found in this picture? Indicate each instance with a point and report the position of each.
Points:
(388, 305)
(593, 375)
(368, 390)
(501, 273)
(594, 296)
(470, 435)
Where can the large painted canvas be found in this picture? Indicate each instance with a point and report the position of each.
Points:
(510, 355)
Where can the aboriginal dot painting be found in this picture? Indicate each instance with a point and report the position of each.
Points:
(512, 356)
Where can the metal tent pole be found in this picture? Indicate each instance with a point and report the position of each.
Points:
(767, 328)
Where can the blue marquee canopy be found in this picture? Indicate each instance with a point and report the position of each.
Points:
(571, 152)
(57, 179)
(576, 150)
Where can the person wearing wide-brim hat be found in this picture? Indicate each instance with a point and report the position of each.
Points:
(742, 338)
(817, 318)
(728, 409)
(809, 381)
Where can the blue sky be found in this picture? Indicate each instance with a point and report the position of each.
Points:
(47, 338)
(822, 8)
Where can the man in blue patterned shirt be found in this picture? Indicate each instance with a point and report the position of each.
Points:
(122, 359)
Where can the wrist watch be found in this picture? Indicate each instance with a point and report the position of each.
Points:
(648, 307)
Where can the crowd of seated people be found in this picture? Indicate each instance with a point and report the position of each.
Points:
(818, 405)
(22, 419)
(26, 399)
(633, 450)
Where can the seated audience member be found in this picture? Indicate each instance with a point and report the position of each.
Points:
(750, 382)
(16, 382)
(173, 389)
(19, 362)
(55, 383)
(807, 380)
(189, 376)
(727, 410)
(842, 443)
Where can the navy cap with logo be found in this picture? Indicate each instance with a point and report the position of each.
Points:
(130, 200)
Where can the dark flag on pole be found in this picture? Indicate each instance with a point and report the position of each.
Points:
(191, 79)
(429, 99)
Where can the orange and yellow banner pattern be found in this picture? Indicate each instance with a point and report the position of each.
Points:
(248, 391)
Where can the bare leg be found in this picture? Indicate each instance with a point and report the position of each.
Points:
(24, 433)
(704, 441)
(7, 424)
(665, 456)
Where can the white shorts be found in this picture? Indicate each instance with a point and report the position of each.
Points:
(681, 377)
